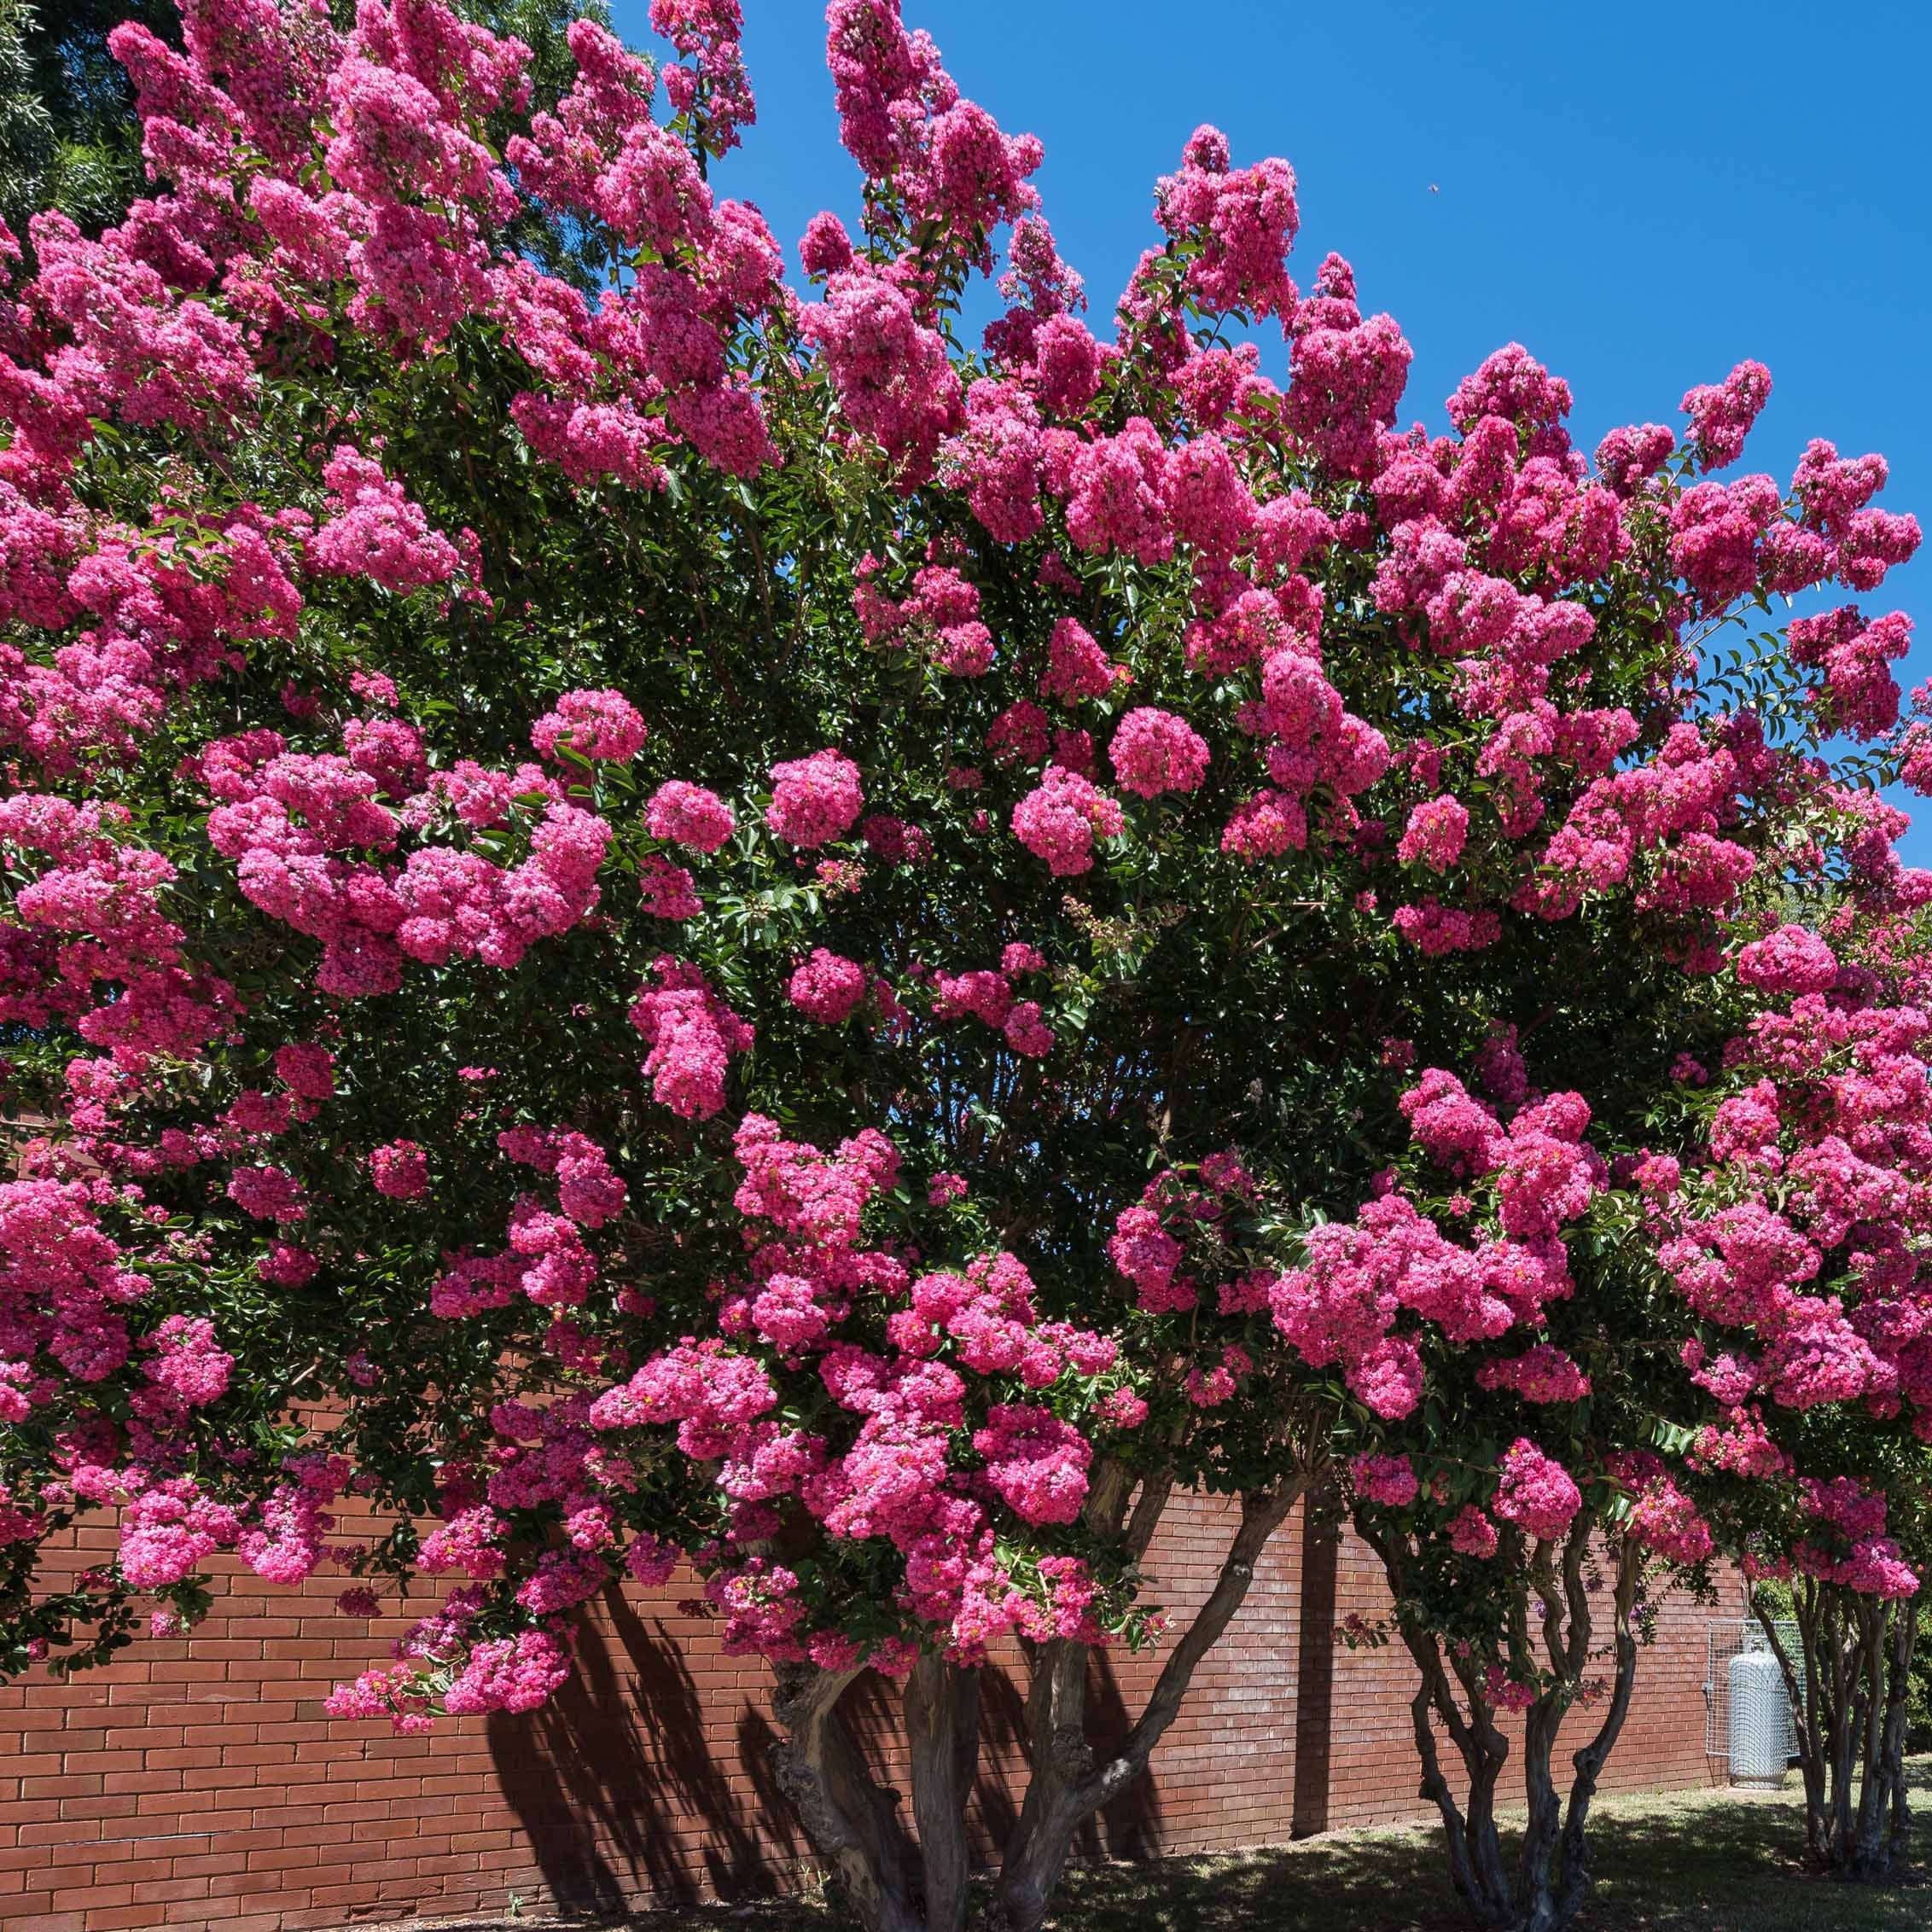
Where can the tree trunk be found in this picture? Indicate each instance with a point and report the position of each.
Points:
(1844, 1729)
(1066, 1786)
(1572, 1891)
(1850, 1725)
(1543, 1895)
(942, 1726)
(1898, 1714)
(1806, 1714)
(1868, 1854)
(889, 1884)
(1476, 1851)
(852, 1821)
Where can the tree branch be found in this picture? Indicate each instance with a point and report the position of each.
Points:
(850, 1819)
(942, 1728)
(1260, 1516)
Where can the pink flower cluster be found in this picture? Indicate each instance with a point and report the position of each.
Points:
(1536, 1492)
(187, 1363)
(827, 987)
(593, 725)
(991, 997)
(943, 610)
(1436, 833)
(1544, 1373)
(692, 1034)
(374, 531)
(1389, 1480)
(903, 121)
(1155, 752)
(1721, 414)
(1664, 1519)
(400, 1170)
(1060, 819)
(1036, 1463)
(1240, 222)
(689, 815)
(300, 829)
(892, 374)
(960, 1348)
(814, 800)
(1790, 960)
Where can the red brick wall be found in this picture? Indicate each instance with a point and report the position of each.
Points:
(198, 1784)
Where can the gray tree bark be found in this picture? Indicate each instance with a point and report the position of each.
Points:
(1552, 1878)
(896, 1879)
(1848, 1716)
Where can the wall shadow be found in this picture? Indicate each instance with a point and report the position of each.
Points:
(616, 1783)
(622, 1792)
(1130, 1827)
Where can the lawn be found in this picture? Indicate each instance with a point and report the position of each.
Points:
(1707, 1861)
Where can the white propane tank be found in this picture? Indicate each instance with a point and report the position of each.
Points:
(1759, 1721)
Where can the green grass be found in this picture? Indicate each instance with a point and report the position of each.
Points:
(1715, 1861)
(1705, 1861)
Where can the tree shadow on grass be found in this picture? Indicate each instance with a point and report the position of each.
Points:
(1707, 1861)
(1715, 1862)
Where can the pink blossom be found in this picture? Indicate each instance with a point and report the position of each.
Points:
(1435, 929)
(1543, 1374)
(1536, 1492)
(1664, 1519)
(270, 1194)
(1388, 1480)
(400, 1170)
(509, 1673)
(1155, 752)
(1058, 821)
(375, 532)
(891, 373)
(1078, 668)
(1722, 415)
(814, 800)
(594, 724)
(1116, 501)
(1790, 960)
(187, 1362)
(1143, 1251)
(692, 1034)
(1265, 826)
(827, 988)
(1436, 833)
(1037, 1463)
(689, 815)
(1243, 222)
(1472, 1534)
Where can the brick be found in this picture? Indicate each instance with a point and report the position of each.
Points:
(223, 1801)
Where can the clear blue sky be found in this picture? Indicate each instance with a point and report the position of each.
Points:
(1643, 193)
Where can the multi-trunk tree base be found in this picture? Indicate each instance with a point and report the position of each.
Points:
(1849, 1714)
(897, 1876)
(1552, 1877)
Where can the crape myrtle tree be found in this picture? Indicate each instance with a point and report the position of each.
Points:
(1522, 1580)
(1792, 1244)
(1712, 1401)
(1807, 1480)
(1848, 1586)
(704, 926)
